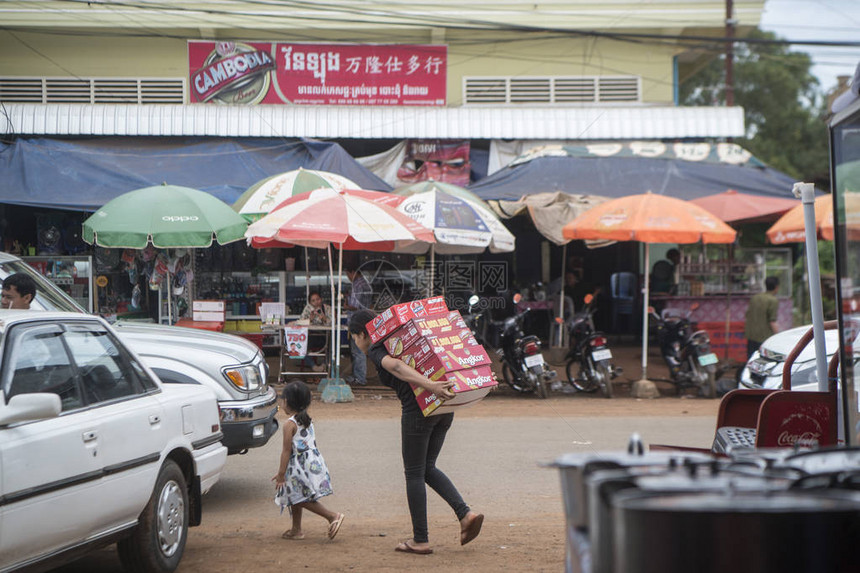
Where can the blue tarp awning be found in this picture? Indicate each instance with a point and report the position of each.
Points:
(84, 174)
(621, 176)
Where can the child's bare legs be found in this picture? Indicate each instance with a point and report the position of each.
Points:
(314, 507)
(295, 532)
(334, 519)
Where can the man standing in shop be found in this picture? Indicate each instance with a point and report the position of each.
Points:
(761, 316)
(360, 297)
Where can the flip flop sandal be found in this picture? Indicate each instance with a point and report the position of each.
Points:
(404, 547)
(288, 534)
(472, 529)
(334, 527)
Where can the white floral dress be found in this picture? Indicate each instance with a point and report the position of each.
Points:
(307, 476)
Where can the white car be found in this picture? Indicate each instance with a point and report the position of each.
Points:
(764, 368)
(94, 449)
(228, 365)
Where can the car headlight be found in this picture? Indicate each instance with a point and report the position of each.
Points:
(244, 377)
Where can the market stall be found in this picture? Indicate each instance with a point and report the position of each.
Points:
(721, 286)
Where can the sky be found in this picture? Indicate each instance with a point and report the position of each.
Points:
(818, 20)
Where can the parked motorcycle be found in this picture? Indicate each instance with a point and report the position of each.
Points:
(588, 362)
(523, 366)
(686, 351)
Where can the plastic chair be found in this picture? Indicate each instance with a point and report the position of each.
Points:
(623, 293)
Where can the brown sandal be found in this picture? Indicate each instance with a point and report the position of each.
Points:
(406, 547)
(471, 530)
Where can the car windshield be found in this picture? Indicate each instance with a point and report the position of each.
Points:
(48, 295)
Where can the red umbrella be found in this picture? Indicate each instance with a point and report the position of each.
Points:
(732, 207)
(347, 219)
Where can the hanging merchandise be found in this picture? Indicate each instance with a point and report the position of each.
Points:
(135, 297)
(49, 237)
(73, 242)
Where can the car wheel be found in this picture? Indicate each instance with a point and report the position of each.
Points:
(157, 543)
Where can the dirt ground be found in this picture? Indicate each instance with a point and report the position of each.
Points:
(240, 531)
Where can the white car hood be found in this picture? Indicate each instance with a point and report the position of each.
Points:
(783, 343)
(177, 340)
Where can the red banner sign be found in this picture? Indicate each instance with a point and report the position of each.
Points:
(317, 74)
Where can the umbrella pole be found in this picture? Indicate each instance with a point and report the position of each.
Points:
(308, 276)
(432, 269)
(729, 302)
(335, 304)
(645, 314)
(339, 304)
(169, 291)
(561, 298)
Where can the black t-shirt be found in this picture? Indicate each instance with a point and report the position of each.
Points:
(404, 391)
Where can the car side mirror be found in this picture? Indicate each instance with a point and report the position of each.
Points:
(30, 407)
(473, 300)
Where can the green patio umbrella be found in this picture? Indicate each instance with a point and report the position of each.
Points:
(168, 216)
(265, 195)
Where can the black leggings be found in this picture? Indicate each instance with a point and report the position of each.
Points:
(422, 440)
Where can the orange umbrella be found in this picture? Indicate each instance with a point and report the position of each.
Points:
(789, 228)
(731, 206)
(649, 218)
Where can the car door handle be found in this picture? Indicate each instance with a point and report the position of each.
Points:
(154, 419)
(89, 436)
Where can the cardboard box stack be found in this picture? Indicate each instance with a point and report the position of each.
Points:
(438, 343)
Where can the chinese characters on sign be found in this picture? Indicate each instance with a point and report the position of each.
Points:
(317, 74)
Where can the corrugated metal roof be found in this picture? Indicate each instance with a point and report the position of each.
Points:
(594, 123)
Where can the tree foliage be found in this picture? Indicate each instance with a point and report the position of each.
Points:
(782, 101)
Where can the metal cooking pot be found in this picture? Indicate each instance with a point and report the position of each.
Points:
(574, 470)
(741, 532)
(606, 486)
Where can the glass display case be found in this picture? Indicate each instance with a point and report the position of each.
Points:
(714, 271)
(73, 274)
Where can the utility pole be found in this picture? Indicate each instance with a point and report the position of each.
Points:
(730, 54)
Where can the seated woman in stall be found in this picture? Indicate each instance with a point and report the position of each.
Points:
(317, 314)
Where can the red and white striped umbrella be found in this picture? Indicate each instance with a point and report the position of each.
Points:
(348, 219)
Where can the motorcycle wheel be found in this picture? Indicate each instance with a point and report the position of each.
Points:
(542, 389)
(511, 380)
(584, 384)
(605, 377)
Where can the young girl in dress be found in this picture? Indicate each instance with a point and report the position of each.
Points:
(302, 477)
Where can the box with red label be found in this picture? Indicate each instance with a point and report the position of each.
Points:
(386, 322)
(416, 328)
(435, 356)
(470, 386)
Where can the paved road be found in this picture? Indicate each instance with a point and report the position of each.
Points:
(497, 460)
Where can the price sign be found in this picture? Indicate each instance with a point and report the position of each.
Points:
(296, 341)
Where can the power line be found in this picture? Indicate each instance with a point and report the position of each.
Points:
(452, 23)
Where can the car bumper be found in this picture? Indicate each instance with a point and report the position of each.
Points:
(249, 423)
(209, 462)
